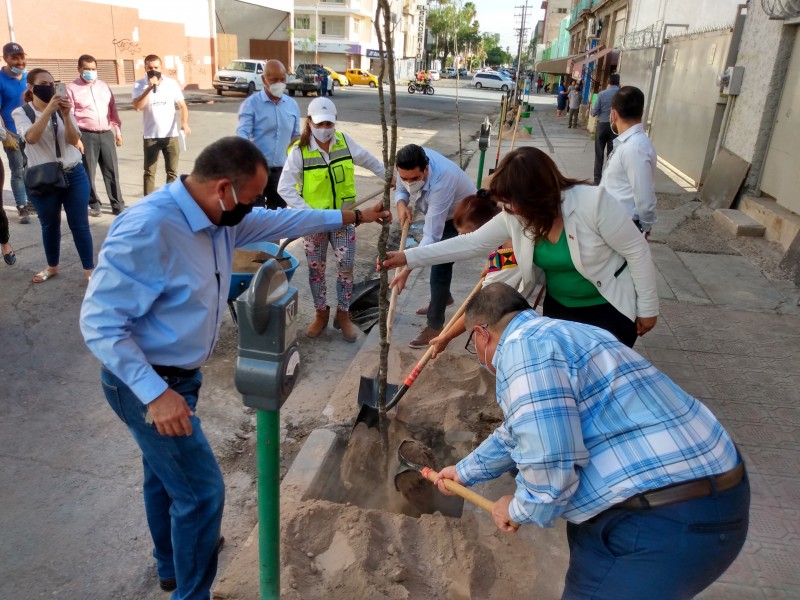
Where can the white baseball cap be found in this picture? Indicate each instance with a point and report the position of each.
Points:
(321, 110)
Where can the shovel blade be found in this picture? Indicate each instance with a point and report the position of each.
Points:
(368, 400)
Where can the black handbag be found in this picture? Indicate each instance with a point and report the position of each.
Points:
(46, 178)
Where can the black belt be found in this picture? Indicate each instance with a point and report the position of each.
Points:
(91, 131)
(688, 490)
(275, 169)
(174, 371)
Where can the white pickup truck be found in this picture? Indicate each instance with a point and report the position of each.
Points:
(241, 75)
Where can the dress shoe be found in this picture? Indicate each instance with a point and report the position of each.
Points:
(424, 310)
(424, 338)
(117, 210)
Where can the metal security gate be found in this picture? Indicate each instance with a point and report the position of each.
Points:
(783, 157)
(67, 69)
(688, 112)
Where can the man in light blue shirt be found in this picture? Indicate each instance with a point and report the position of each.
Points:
(603, 135)
(436, 185)
(152, 314)
(271, 120)
(654, 493)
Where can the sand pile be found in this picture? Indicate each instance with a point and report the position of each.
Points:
(334, 551)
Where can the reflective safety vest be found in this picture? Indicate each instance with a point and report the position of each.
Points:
(328, 185)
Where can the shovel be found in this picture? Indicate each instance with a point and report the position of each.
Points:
(412, 377)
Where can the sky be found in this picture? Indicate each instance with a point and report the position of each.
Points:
(497, 16)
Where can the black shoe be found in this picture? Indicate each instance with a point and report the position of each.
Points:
(10, 258)
(168, 585)
(116, 211)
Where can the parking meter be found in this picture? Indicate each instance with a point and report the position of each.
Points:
(483, 146)
(266, 371)
(268, 362)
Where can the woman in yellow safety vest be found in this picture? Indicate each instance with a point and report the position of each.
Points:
(320, 173)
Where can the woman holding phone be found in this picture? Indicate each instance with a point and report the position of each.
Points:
(48, 125)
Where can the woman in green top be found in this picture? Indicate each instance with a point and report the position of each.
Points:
(596, 262)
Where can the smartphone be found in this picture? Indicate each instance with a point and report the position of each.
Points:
(61, 89)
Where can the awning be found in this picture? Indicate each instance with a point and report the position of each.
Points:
(556, 66)
(587, 58)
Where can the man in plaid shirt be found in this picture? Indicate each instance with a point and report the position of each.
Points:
(652, 488)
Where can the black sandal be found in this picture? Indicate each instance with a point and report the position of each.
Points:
(10, 258)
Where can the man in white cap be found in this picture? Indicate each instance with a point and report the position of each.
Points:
(271, 120)
(320, 173)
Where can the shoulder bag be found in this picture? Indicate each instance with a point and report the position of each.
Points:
(46, 178)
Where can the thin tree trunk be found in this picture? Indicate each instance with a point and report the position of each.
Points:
(383, 29)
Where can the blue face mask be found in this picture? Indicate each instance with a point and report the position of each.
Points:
(17, 71)
(89, 76)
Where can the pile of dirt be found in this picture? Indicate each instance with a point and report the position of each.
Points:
(337, 551)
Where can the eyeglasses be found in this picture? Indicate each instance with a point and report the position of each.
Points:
(470, 345)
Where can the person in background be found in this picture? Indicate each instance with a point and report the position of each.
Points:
(654, 493)
(6, 249)
(574, 106)
(472, 213)
(35, 121)
(596, 263)
(539, 83)
(603, 136)
(152, 316)
(631, 170)
(12, 87)
(320, 173)
(561, 99)
(271, 120)
(157, 95)
(96, 113)
(436, 185)
(323, 82)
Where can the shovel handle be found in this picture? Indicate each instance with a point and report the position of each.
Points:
(412, 377)
(466, 494)
(395, 292)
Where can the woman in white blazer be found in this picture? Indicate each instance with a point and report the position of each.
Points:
(596, 261)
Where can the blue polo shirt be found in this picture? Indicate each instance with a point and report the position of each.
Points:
(11, 90)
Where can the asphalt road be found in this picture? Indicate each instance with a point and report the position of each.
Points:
(71, 512)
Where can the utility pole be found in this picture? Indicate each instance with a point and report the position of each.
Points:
(521, 16)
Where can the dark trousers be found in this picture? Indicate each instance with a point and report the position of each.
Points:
(101, 149)
(604, 316)
(573, 117)
(5, 236)
(671, 552)
(273, 198)
(603, 145)
(171, 150)
(75, 202)
(441, 275)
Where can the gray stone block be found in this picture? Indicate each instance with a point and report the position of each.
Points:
(738, 223)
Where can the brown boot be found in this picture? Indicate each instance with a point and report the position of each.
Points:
(342, 321)
(320, 322)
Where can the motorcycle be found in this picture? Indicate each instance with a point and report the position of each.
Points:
(424, 87)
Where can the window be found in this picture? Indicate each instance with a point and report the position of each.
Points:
(561, 10)
(302, 22)
(331, 26)
(357, 25)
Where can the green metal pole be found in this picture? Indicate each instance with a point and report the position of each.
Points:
(269, 529)
(480, 167)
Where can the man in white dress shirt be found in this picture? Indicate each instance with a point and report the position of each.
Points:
(631, 170)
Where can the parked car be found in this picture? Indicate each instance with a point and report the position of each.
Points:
(493, 81)
(338, 78)
(242, 75)
(462, 72)
(361, 77)
(434, 75)
(449, 73)
(307, 80)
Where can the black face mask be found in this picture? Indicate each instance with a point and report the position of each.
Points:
(153, 73)
(231, 218)
(44, 92)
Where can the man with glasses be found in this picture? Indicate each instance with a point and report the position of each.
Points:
(152, 314)
(654, 493)
(271, 120)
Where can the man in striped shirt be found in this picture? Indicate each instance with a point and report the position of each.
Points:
(654, 493)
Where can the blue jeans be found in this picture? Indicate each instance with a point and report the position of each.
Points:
(75, 200)
(671, 552)
(16, 164)
(441, 275)
(183, 489)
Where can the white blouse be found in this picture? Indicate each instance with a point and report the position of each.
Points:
(44, 151)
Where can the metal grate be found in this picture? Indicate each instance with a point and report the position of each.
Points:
(781, 9)
(66, 70)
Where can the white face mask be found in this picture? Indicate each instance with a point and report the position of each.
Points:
(324, 135)
(414, 187)
(277, 89)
